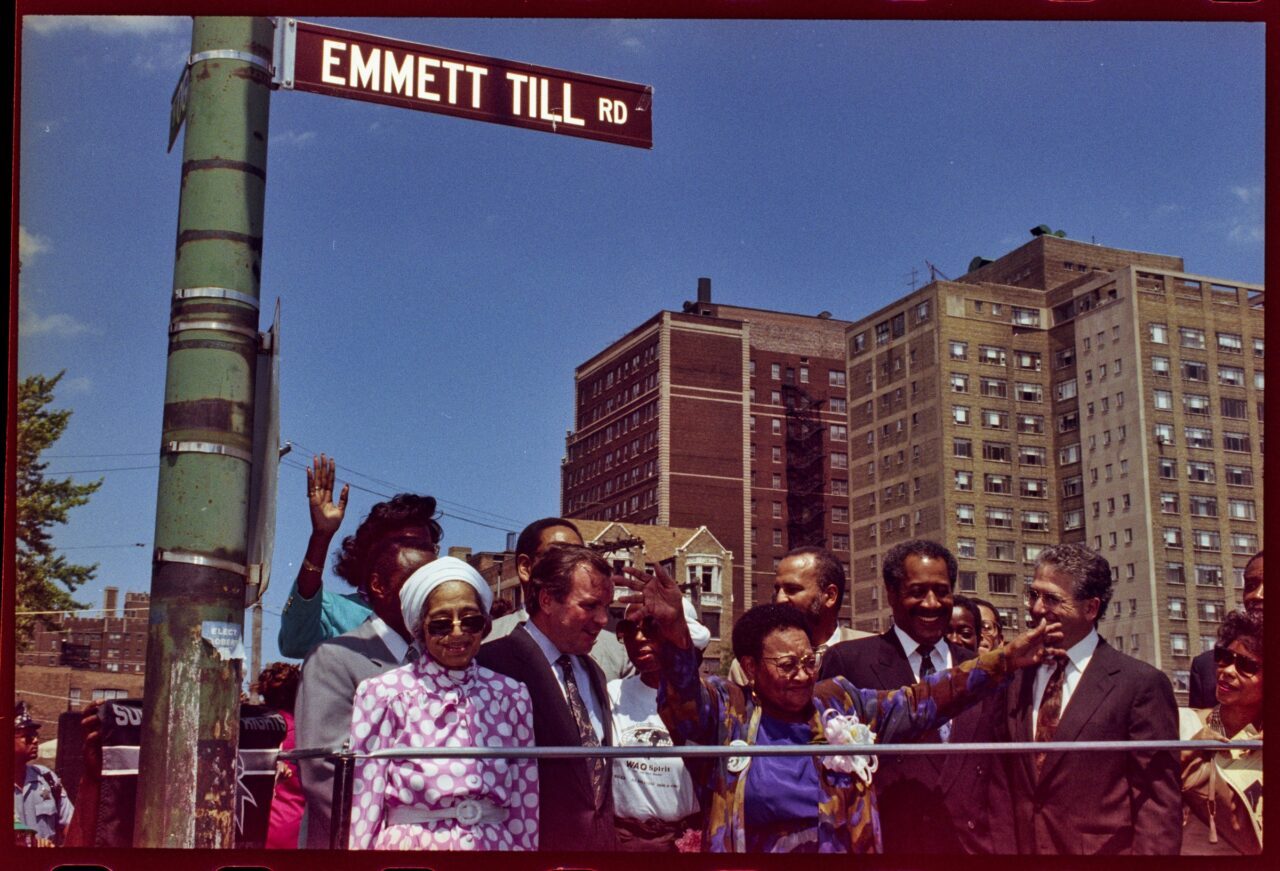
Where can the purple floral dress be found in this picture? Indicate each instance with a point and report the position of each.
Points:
(425, 705)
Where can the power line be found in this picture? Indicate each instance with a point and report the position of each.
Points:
(84, 456)
(94, 471)
(102, 546)
(83, 611)
(480, 511)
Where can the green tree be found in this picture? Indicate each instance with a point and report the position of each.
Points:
(45, 578)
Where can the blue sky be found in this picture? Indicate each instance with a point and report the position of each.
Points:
(441, 278)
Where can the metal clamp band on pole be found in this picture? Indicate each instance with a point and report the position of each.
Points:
(197, 559)
(258, 61)
(216, 293)
(206, 448)
(286, 50)
(180, 326)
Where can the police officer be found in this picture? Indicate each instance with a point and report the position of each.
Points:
(39, 801)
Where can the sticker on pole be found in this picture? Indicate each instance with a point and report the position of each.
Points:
(178, 105)
(226, 638)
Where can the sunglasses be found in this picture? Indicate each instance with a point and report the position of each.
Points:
(470, 624)
(1246, 665)
(787, 666)
(628, 628)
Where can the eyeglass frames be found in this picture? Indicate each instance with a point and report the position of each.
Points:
(1246, 665)
(470, 624)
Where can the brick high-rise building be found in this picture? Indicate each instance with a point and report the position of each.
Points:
(1066, 392)
(96, 640)
(723, 416)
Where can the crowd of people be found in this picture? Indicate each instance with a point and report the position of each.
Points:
(418, 657)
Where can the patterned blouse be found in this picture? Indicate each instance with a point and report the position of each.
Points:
(426, 705)
(715, 711)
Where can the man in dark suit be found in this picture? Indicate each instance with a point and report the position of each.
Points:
(570, 588)
(334, 669)
(1204, 672)
(928, 804)
(1097, 803)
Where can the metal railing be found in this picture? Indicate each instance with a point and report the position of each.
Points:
(344, 759)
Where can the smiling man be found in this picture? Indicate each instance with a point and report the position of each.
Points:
(570, 588)
(1095, 803)
(928, 804)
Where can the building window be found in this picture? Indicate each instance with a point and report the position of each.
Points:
(1159, 333)
(804, 374)
(959, 350)
(839, 460)
(1065, 389)
(777, 510)
(999, 452)
(1001, 582)
(1178, 643)
(992, 355)
(1030, 455)
(1000, 518)
(1198, 373)
(1029, 392)
(1230, 343)
(1235, 441)
(1172, 536)
(1029, 360)
(1239, 476)
(775, 371)
(1072, 486)
(839, 541)
(1190, 337)
(959, 382)
(1026, 317)
(1069, 454)
(964, 515)
(1208, 576)
(964, 480)
(1174, 573)
(1033, 488)
(775, 426)
(835, 378)
(992, 419)
(1073, 519)
(1035, 521)
(960, 414)
(1163, 433)
(1198, 437)
(1241, 509)
(998, 484)
(966, 548)
(996, 387)
(968, 581)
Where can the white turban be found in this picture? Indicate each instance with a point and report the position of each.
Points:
(416, 590)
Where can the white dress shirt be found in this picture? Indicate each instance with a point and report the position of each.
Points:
(1078, 657)
(941, 657)
(394, 640)
(580, 675)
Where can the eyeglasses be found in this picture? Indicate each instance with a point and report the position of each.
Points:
(628, 628)
(1246, 665)
(1050, 600)
(787, 666)
(470, 625)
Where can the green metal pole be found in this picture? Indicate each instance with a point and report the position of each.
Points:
(187, 767)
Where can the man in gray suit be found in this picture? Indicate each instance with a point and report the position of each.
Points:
(570, 588)
(335, 668)
(533, 542)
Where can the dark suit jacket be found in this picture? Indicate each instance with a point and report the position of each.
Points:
(1204, 682)
(568, 818)
(1098, 802)
(928, 804)
(322, 714)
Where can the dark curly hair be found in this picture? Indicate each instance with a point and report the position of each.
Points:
(407, 520)
(1245, 627)
(278, 684)
(756, 624)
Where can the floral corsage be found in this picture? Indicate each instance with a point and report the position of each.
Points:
(843, 729)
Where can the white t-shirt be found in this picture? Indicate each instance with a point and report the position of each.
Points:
(645, 788)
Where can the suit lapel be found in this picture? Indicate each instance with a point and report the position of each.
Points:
(892, 668)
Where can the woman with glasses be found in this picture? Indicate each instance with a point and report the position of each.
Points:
(1222, 791)
(811, 804)
(443, 699)
(313, 614)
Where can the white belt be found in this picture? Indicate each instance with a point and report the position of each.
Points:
(468, 812)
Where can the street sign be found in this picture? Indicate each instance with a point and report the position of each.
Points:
(359, 66)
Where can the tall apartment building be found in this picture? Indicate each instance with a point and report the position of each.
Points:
(723, 416)
(1066, 392)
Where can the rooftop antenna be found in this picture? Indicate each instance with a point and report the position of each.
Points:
(914, 277)
(935, 272)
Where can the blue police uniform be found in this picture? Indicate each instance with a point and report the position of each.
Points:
(42, 803)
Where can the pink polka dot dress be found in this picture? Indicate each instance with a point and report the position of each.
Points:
(443, 804)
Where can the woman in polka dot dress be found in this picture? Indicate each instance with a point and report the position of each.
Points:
(444, 699)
